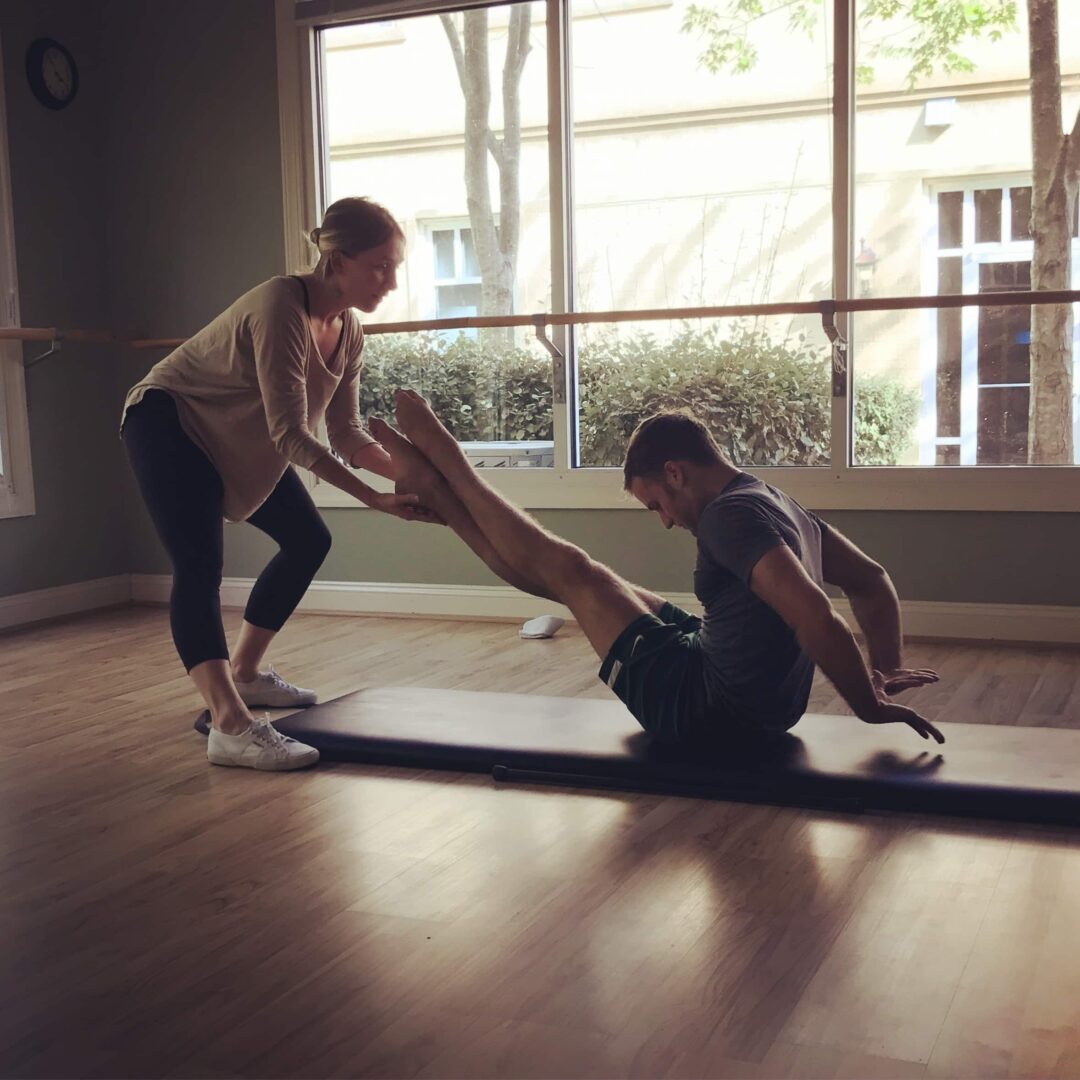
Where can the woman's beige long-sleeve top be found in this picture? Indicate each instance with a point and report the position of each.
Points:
(252, 386)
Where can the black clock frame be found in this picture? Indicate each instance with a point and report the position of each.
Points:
(35, 54)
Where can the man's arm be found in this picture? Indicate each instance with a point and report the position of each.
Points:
(873, 598)
(782, 582)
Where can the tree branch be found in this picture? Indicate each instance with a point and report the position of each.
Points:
(517, 45)
(746, 20)
(1072, 151)
(517, 51)
(454, 39)
(455, 48)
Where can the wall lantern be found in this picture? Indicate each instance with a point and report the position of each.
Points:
(865, 262)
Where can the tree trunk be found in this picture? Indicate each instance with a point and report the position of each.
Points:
(496, 249)
(477, 88)
(517, 51)
(1055, 158)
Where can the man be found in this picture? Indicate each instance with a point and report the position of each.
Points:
(762, 559)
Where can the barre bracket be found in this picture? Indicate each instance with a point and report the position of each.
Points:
(558, 360)
(839, 348)
(54, 347)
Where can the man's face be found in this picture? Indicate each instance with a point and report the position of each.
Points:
(666, 496)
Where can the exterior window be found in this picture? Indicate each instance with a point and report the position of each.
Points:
(457, 272)
(981, 243)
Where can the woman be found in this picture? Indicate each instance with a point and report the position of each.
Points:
(214, 431)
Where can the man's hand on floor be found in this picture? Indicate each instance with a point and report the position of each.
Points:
(900, 679)
(889, 712)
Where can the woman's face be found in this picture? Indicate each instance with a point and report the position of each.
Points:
(366, 278)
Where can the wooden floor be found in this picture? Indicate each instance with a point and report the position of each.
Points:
(159, 917)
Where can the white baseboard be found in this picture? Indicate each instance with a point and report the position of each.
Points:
(378, 598)
(31, 607)
(922, 618)
(978, 622)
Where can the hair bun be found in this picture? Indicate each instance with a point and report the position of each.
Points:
(314, 235)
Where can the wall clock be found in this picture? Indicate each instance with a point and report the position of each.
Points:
(52, 73)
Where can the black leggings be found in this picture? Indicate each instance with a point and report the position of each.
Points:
(185, 496)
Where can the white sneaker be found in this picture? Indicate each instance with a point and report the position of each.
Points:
(268, 690)
(262, 746)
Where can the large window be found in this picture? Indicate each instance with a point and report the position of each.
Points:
(951, 198)
(691, 189)
(16, 481)
(460, 157)
(569, 156)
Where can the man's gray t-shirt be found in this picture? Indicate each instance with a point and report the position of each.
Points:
(755, 671)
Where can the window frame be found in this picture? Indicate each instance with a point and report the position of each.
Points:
(16, 478)
(838, 486)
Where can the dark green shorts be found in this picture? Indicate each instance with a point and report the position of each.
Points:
(656, 670)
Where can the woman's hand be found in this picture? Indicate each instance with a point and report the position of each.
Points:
(404, 506)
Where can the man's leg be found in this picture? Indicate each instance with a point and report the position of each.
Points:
(601, 602)
(439, 497)
(417, 476)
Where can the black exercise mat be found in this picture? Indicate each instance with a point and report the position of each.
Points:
(1028, 774)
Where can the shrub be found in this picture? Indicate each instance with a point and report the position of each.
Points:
(479, 392)
(767, 402)
(886, 412)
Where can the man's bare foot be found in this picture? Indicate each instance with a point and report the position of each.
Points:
(414, 472)
(416, 475)
(428, 435)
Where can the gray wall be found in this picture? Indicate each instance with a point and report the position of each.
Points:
(194, 200)
(194, 214)
(968, 557)
(194, 195)
(59, 172)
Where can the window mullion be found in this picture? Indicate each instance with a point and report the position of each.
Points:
(560, 146)
(928, 346)
(969, 337)
(843, 158)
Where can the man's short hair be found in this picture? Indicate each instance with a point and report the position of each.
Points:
(668, 436)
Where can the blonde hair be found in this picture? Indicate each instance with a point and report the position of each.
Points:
(350, 226)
